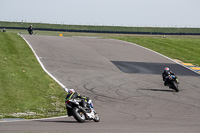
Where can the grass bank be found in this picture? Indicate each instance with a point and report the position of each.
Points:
(26, 90)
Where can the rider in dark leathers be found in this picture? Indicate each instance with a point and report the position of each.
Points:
(30, 30)
(167, 72)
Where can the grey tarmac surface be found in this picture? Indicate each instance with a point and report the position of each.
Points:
(123, 80)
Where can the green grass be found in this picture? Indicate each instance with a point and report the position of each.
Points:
(24, 86)
(101, 28)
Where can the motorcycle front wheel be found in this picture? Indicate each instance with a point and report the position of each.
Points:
(78, 115)
(96, 118)
(175, 86)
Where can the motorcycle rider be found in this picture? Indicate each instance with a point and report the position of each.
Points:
(72, 94)
(167, 72)
(30, 30)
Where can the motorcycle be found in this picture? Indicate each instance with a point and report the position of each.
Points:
(30, 32)
(172, 82)
(74, 108)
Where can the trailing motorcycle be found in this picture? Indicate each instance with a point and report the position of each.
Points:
(172, 82)
(75, 108)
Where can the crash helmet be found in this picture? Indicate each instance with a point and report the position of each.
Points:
(167, 70)
(71, 91)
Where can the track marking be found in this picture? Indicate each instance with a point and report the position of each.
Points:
(187, 64)
(25, 120)
(195, 68)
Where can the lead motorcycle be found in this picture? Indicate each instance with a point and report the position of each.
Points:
(172, 82)
(75, 108)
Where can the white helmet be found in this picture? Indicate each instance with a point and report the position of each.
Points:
(166, 68)
(71, 90)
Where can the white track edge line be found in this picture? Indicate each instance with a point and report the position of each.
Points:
(66, 89)
(26, 120)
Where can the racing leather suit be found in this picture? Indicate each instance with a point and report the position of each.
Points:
(165, 75)
(30, 30)
(76, 95)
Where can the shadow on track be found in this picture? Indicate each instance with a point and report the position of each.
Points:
(63, 121)
(158, 90)
(54, 121)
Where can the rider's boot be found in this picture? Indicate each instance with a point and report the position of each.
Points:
(165, 83)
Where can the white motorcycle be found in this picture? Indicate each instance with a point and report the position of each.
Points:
(75, 108)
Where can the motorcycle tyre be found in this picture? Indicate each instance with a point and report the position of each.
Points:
(77, 115)
(96, 118)
(175, 86)
(31, 32)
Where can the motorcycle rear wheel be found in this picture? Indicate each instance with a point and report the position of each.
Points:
(78, 115)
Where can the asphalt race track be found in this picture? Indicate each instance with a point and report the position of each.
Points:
(124, 81)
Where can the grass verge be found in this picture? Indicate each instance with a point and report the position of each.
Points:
(26, 90)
